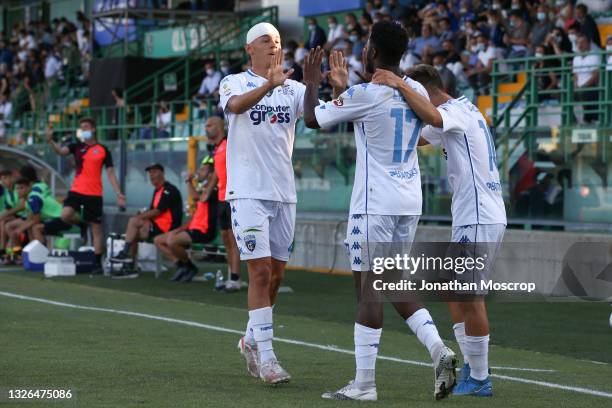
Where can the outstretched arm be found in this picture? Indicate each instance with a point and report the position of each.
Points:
(312, 78)
(241, 103)
(418, 103)
(61, 150)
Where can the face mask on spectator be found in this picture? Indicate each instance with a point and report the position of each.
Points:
(225, 69)
(538, 55)
(353, 38)
(439, 67)
(480, 47)
(495, 6)
(210, 71)
(311, 27)
(572, 37)
(515, 6)
(541, 16)
(84, 135)
(331, 26)
(491, 22)
(463, 11)
(608, 47)
(350, 27)
(512, 23)
(469, 31)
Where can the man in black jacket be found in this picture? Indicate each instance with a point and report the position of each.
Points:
(316, 35)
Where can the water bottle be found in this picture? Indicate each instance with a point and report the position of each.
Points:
(219, 282)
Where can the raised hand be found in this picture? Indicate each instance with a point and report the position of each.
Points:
(49, 133)
(384, 77)
(338, 71)
(312, 66)
(276, 76)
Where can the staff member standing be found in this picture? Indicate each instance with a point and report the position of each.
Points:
(216, 134)
(86, 191)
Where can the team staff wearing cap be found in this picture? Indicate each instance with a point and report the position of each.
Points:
(201, 229)
(86, 190)
(164, 214)
(216, 134)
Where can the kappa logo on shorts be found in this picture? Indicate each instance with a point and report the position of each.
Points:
(355, 231)
(464, 239)
(356, 246)
(357, 261)
(250, 242)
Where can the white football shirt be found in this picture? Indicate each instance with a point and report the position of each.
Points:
(472, 164)
(260, 141)
(387, 176)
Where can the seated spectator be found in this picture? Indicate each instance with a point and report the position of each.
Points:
(200, 230)
(210, 84)
(547, 79)
(163, 121)
(396, 10)
(497, 28)
(572, 34)
(451, 55)
(448, 78)
(541, 28)
(558, 41)
(316, 35)
(355, 67)
(444, 30)
(336, 35)
(165, 213)
(480, 75)
(290, 63)
(587, 24)
(358, 42)
(427, 44)
(586, 74)
(6, 113)
(351, 24)
(517, 37)
(224, 68)
(465, 13)
(366, 23)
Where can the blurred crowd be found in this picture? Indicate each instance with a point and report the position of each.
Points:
(36, 58)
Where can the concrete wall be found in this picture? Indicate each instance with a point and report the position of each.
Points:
(525, 256)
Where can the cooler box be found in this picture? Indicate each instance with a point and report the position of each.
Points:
(59, 264)
(34, 256)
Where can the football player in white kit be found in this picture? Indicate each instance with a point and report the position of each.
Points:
(478, 211)
(386, 200)
(261, 106)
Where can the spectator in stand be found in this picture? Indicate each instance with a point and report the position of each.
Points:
(6, 113)
(358, 42)
(427, 44)
(541, 28)
(210, 84)
(465, 14)
(587, 24)
(316, 35)
(586, 74)
(378, 7)
(396, 10)
(351, 24)
(71, 59)
(451, 55)
(520, 7)
(366, 23)
(225, 68)
(355, 67)
(572, 35)
(547, 78)
(448, 78)
(517, 38)
(558, 41)
(290, 63)
(497, 28)
(444, 30)
(163, 121)
(480, 76)
(6, 54)
(336, 35)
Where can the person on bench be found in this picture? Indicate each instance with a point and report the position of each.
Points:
(10, 206)
(164, 214)
(39, 208)
(200, 230)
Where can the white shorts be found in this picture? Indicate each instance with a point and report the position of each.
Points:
(487, 240)
(263, 228)
(364, 233)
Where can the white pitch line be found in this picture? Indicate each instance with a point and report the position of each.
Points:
(546, 384)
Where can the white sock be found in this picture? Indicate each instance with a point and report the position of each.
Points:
(422, 324)
(263, 332)
(477, 350)
(459, 329)
(248, 335)
(366, 349)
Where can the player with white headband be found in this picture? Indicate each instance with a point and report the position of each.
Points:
(262, 106)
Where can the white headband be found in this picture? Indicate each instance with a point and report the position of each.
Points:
(261, 29)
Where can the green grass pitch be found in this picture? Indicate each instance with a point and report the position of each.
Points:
(113, 359)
